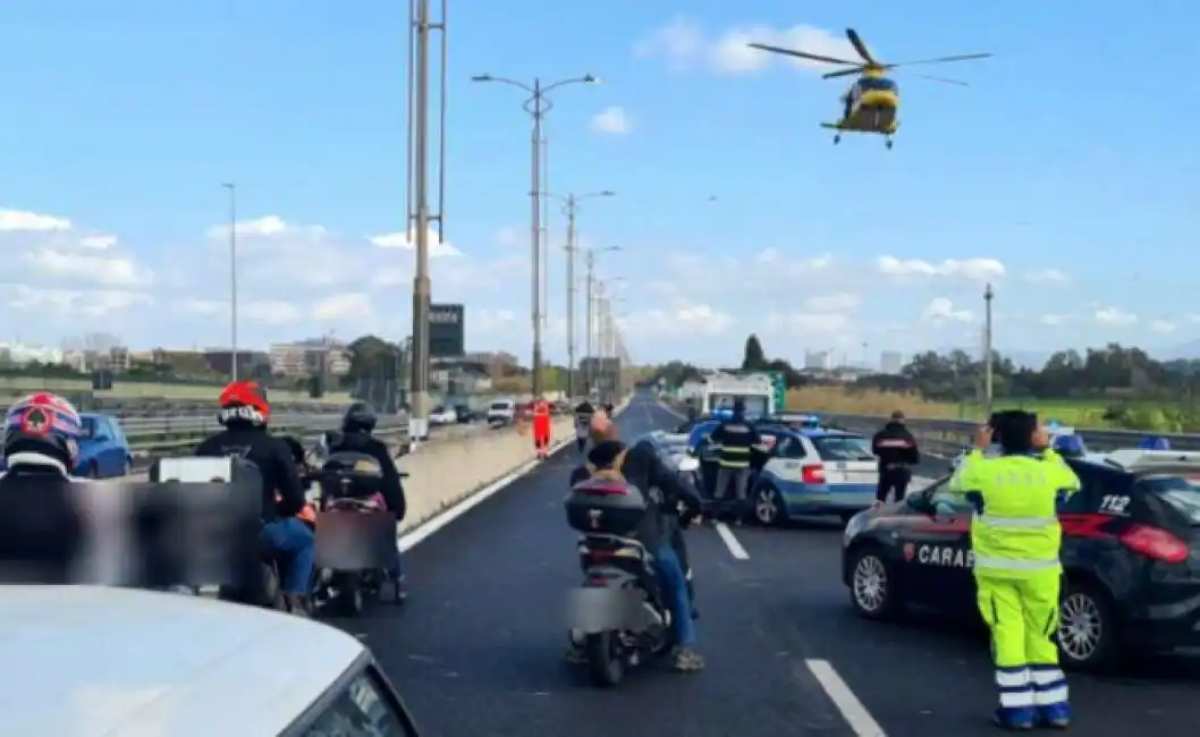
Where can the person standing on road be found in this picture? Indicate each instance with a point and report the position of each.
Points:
(1016, 538)
(897, 451)
(734, 440)
(583, 423)
(541, 428)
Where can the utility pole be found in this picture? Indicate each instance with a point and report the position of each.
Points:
(571, 296)
(233, 353)
(987, 347)
(591, 288)
(535, 193)
(419, 215)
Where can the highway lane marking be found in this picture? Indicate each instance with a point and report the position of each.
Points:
(731, 542)
(853, 711)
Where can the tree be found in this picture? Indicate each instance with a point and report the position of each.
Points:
(371, 357)
(754, 359)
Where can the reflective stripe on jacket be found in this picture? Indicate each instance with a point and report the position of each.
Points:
(1016, 534)
(734, 439)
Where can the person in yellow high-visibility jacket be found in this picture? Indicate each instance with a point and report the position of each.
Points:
(1016, 538)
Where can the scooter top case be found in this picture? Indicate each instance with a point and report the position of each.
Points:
(353, 537)
(605, 506)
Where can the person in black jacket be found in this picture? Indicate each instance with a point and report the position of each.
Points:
(897, 451)
(245, 414)
(583, 423)
(357, 426)
(735, 440)
(665, 491)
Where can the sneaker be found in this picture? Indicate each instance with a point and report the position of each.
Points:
(1055, 716)
(297, 605)
(687, 660)
(1014, 719)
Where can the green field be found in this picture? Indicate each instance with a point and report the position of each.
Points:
(15, 386)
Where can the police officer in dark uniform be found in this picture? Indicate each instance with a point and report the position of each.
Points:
(735, 439)
(897, 451)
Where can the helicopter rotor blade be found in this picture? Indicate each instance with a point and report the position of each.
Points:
(944, 80)
(843, 72)
(940, 60)
(801, 54)
(860, 47)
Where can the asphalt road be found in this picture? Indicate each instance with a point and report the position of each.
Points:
(478, 648)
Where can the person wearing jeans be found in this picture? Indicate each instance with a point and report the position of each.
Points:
(292, 543)
(671, 578)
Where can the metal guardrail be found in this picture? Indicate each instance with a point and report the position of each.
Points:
(163, 434)
(948, 437)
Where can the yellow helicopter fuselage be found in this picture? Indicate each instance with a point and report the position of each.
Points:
(870, 104)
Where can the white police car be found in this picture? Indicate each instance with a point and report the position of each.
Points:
(89, 660)
(813, 472)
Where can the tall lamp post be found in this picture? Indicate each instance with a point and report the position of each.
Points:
(591, 289)
(571, 204)
(987, 347)
(537, 105)
(233, 353)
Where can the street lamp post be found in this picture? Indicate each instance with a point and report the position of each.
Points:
(987, 347)
(591, 288)
(572, 203)
(233, 353)
(537, 106)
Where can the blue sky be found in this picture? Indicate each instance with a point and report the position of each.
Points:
(1066, 173)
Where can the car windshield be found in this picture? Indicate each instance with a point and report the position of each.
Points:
(500, 405)
(1181, 493)
(843, 448)
(88, 426)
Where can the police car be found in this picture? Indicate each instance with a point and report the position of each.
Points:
(812, 472)
(1131, 556)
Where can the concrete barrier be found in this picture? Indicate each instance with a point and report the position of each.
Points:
(443, 473)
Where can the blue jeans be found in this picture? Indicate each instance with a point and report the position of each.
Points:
(674, 588)
(294, 547)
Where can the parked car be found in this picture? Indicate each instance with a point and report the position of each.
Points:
(502, 412)
(1130, 555)
(443, 415)
(812, 472)
(73, 646)
(103, 450)
(465, 414)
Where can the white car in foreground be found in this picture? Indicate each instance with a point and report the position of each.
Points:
(89, 660)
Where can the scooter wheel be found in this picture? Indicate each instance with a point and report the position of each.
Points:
(350, 598)
(604, 659)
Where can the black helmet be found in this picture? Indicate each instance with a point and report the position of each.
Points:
(359, 418)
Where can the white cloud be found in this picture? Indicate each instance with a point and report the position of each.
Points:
(11, 220)
(1047, 276)
(113, 271)
(1054, 320)
(98, 242)
(612, 120)
(491, 321)
(941, 309)
(680, 42)
(267, 227)
(974, 269)
(1163, 327)
(817, 263)
(72, 303)
(201, 307)
(1115, 316)
(271, 312)
(767, 256)
(509, 236)
(683, 320)
(400, 239)
(802, 324)
(352, 305)
(836, 302)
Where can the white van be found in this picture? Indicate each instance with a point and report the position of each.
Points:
(502, 412)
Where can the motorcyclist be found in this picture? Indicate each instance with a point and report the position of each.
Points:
(41, 436)
(245, 414)
(897, 451)
(583, 423)
(357, 425)
(642, 467)
(1016, 537)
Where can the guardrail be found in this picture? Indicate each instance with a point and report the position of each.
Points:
(948, 437)
(148, 435)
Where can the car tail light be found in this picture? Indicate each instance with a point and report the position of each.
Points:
(1155, 543)
(814, 474)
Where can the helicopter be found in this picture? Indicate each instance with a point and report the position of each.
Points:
(872, 101)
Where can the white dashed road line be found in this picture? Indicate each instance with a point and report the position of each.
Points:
(731, 542)
(855, 714)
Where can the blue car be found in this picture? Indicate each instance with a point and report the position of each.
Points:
(103, 450)
(813, 472)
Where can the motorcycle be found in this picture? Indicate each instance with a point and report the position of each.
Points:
(356, 534)
(619, 616)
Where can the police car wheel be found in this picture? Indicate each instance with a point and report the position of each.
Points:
(871, 585)
(1087, 628)
(768, 511)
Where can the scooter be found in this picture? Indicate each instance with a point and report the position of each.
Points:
(356, 534)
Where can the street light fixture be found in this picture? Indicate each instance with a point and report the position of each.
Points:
(537, 105)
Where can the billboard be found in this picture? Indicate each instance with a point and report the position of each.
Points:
(445, 331)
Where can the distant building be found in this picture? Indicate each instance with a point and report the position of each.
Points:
(307, 357)
(818, 360)
(255, 364)
(891, 362)
(499, 364)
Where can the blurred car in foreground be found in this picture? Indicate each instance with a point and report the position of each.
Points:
(98, 660)
(502, 412)
(1130, 554)
(103, 450)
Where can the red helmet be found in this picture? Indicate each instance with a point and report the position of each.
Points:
(43, 423)
(244, 401)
